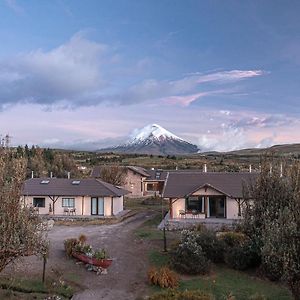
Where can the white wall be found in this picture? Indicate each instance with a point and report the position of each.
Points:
(178, 205)
(82, 205)
(232, 209)
(118, 205)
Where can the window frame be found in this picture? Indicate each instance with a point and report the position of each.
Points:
(43, 199)
(68, 202)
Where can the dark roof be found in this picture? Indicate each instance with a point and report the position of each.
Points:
(157, 174)
(181, 184)
(70, 187)
(96, 172)
(139, 170)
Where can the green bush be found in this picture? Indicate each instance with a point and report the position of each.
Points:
(179, 295)
(272, 266)
(213, 247)
(188, 257)
(239, 257)
(232, 238)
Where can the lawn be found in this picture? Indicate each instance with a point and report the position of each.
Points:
(33, 289)
(224, 281)
(148, 230)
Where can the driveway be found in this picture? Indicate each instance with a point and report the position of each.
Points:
(126, 278)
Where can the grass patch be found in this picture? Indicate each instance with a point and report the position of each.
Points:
(148, 230)
(226, 281)
(158, 259)
(25, 289)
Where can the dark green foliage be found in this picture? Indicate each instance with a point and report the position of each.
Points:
(213, 247)
(188, 257)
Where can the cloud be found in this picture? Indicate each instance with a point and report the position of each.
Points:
(230, 76)
(70, 72)
(82, 72)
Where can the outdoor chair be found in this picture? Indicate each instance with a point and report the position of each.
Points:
(182, 213)
(195, 213)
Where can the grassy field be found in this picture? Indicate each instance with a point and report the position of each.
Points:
(15, 289)
(224, 281)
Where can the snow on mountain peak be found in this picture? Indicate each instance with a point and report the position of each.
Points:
(152, 131)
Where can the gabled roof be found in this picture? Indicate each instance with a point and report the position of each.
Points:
(71, 187)
(181, 184)
(139, 170)
(96, 172)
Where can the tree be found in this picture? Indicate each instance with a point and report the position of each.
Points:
(115, 175)
(272, 221)
(20, 234)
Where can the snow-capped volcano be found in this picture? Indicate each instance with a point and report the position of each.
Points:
(152, 132)
(154, 139)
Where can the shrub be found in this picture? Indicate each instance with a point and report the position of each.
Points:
(238, 257)
(212, 246)
(189, 257)
(272, 266)
(181, 295)
(232, 238)
(70, 244)
(163, 277)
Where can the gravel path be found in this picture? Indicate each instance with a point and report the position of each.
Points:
(126, 278)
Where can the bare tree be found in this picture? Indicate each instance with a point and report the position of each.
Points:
(113, 174)
(20, 234)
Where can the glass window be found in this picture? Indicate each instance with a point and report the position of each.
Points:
(39, 202)
(194, 203)
(68, 202)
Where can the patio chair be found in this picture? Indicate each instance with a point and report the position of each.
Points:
(66, 211)
(73, 211)
(195, 213)
(182, 213)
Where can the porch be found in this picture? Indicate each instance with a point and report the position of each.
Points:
(188, 223)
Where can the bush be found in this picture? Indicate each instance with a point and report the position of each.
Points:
(178, 295)
(213, 247)
(272, 267)
(232, 238)
(163, 277)
(69, 245)
(238, 257)
(189, 257)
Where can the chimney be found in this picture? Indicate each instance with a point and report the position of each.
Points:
(205, 168)
(250, 169)
(69, 175)
(32, 174)
(51, 174)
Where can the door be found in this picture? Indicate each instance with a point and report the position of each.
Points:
(97, 206)
(217, 207)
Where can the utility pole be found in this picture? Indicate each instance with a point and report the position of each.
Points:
(164, 224)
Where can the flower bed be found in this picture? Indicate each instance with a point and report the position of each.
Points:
(78, 248)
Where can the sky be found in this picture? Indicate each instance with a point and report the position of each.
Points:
(223, 75)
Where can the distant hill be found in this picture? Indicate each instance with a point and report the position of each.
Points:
(154, 139)
(285, 149)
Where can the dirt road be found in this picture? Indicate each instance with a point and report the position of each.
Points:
(126, 278)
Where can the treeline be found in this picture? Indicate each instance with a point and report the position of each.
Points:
(43, 162)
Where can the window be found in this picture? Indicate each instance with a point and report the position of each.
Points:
(68, 202)
(39, 202)
(150, 187)
(194, 203)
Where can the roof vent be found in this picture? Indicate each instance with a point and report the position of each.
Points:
(76, 182)
(45, 181)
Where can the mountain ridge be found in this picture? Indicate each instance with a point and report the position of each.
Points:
(156, 140)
